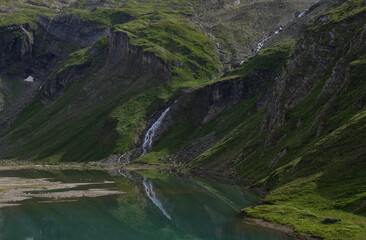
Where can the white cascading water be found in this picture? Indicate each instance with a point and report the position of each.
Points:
(302, 14)
(261, 43)
(120, 157)
(151, 194)
(148, 140)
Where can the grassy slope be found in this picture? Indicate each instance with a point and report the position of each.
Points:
(328, 179)
(84, 132)
(320, 177)
(160, 27)
(298, 139)
(324, 177)
(27, 14)
(238, 28)
(244, 136)
(231, 125)
(333, 187)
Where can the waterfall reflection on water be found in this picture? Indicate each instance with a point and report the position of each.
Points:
(151, 194)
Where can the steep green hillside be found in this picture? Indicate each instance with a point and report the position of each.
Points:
(93, 106)
(293, 120)
(326, 184)
(88, 101)
(309, 149)
(212, 111)
(304, 109)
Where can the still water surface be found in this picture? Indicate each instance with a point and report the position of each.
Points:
(154, 206)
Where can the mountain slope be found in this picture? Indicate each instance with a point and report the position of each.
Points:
(99, 85)
(297, 131)
(290, 118)
(91, 96)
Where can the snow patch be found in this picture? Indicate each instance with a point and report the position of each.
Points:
(29, 79)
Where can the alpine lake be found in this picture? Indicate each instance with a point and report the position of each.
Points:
(119, 204)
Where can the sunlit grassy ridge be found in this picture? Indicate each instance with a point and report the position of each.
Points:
(162, 28)
(24, 13)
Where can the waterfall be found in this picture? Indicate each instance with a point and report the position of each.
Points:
(148, 140)
(302, 14)
(120, 157)
(151, 194)
(260, 45)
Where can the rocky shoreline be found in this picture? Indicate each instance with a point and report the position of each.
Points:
(287, 230)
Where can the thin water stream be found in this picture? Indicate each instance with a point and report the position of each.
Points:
(148, 139)
(261, 44)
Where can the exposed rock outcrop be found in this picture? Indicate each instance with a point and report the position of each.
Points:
(67, 27)
(207, 103)
(211, 100)
(16, 44)
(322, 56)
(125, 57)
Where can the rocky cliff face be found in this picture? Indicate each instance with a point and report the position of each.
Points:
(314, 94)
(69, 28)
(105, 61)
(321, 60)
(123, 57)
(101, 62)
(17, 59)
(213, 99)
(205, 104)
(33, 50)
(16, 44)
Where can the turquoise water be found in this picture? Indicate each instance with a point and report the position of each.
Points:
(155, 206)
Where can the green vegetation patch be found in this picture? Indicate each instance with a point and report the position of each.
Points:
(330, 203)
(86, 131)
(187, 51)
(130, 114)
(270, 59)
(25, 13)
(234, 126)
(241, 136)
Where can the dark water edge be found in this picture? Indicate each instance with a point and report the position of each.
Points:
(156, 205)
